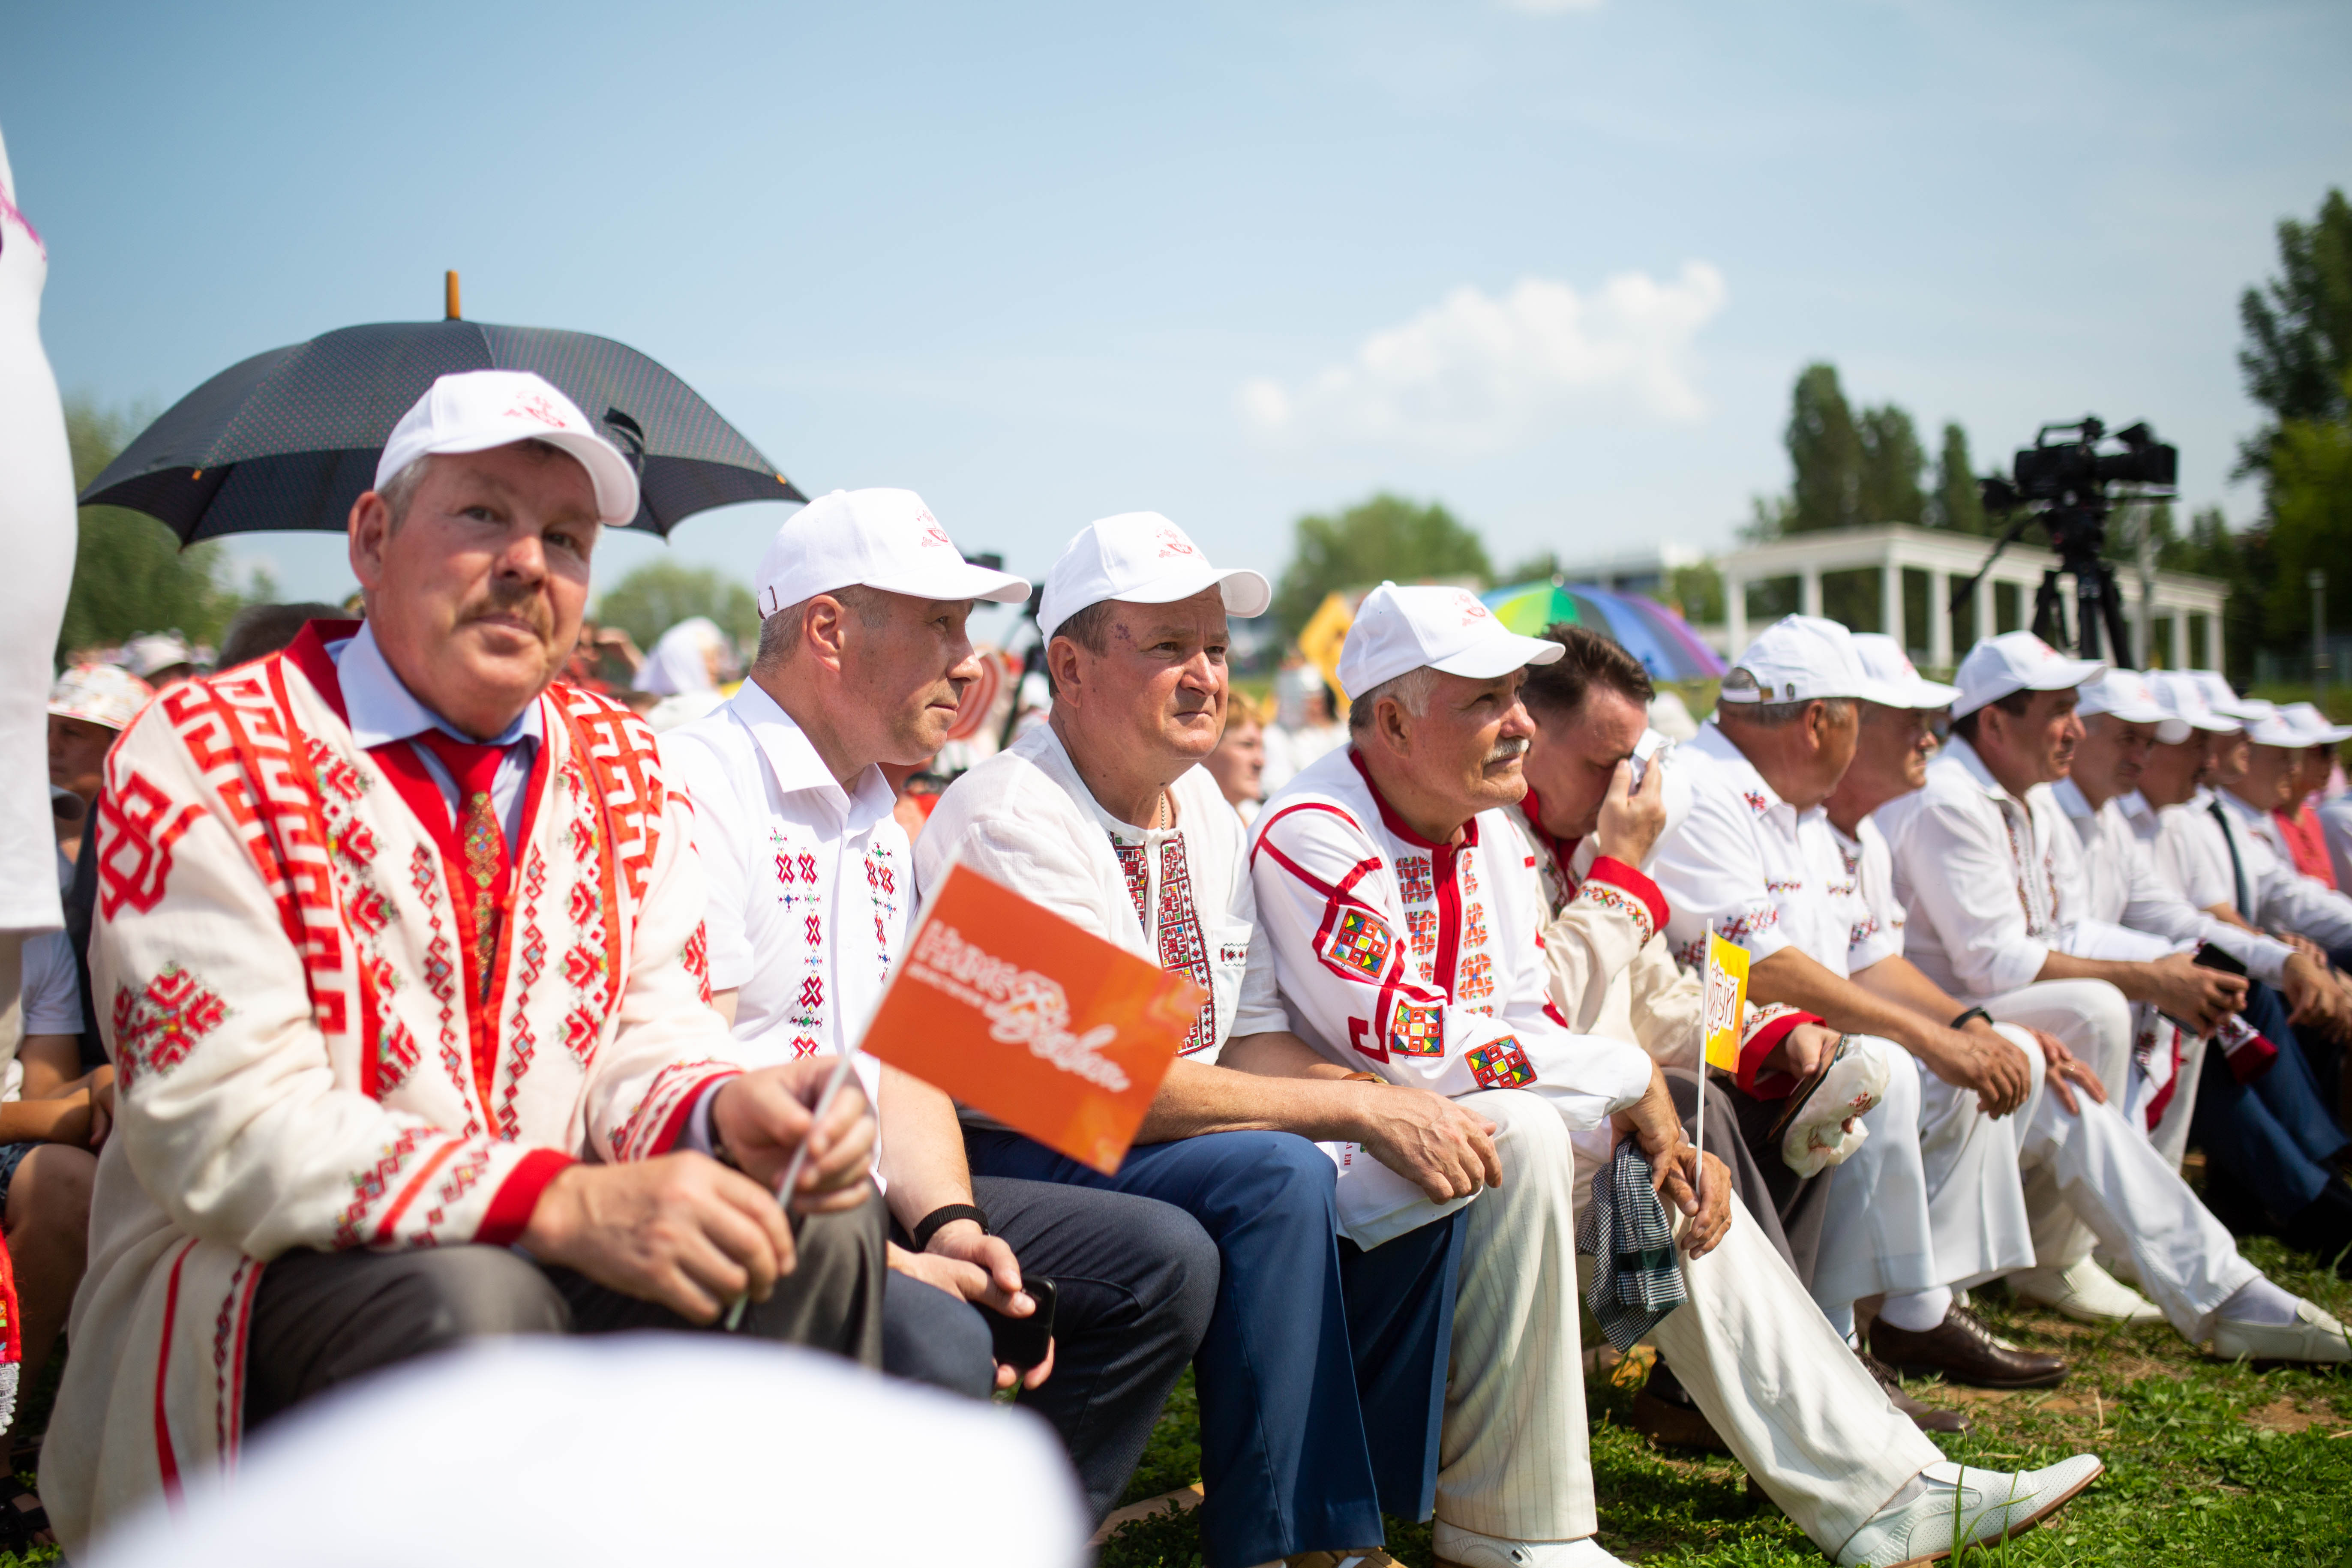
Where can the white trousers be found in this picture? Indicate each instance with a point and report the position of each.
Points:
(1759, 1361)
(2170, 1134)
(1932, 1197)
(2091, 1019)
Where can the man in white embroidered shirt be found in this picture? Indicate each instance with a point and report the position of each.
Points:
(863, 659)
(1406, 921)
(1322, 1376)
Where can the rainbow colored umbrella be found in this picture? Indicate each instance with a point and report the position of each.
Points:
(1651, 633)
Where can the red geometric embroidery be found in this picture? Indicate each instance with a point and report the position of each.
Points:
(813, 991)
(580, 1031)
(1477, 981)
(1501, 1065)
(1137, 872)
(697, 958)
(1464, 875)
(802, 1046)
(154, 1029)
(584, 970)
(369, 1185)
(137, 829)
(1360, 942)
(1414, 880)
(370, 910)
(1417, 1031)
(1182, 949)
(1421, 929)
(584, 900)
(1474, 927)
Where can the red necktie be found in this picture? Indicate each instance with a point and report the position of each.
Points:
(476, 769)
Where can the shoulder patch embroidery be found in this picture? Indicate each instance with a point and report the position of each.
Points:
(1360, 942)
(1501, 1065)
(1415, 1030)
(155, 1028)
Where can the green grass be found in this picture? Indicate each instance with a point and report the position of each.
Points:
(2208, 1462)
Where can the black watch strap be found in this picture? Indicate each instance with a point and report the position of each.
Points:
(1962, 1021)
(931, 1224)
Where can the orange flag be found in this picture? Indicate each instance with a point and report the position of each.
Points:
(1014, 1010)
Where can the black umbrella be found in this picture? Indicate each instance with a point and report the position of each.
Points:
(289, 440)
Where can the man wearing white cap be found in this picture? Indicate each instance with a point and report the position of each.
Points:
(863, 660)
(1759, 861)
(1404, 915)
(2297, 818)
(1323, 1372)
(398, 954)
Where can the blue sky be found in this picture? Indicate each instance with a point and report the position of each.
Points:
(1555, 264)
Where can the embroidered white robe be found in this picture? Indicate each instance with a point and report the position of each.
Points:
(278, 966)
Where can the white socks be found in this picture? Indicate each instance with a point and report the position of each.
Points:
(2260, 1302)
(1919, 1312)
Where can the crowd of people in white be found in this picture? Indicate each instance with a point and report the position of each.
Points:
(431, 997)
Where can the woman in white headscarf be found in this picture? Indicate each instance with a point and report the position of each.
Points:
(684, 671)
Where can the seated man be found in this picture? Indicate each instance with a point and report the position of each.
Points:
(1925, 1206)
(1610, 972)
(1323, 1372)
(399, 959)
(793, 821)
(1405, 921)
(2095, 1163)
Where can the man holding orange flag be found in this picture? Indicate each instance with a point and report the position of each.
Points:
(1405, 920)
(863, 660)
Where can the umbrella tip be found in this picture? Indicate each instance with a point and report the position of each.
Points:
(449, 296)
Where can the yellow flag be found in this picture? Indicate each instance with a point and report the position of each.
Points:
(1726, 1002)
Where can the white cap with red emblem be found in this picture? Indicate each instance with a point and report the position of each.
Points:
(882, 539)
(1400, 629)
(1142, 558)
(474, 410)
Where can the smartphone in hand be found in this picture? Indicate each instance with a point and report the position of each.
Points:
(1022, 1343)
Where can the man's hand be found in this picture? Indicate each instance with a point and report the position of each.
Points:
(1713, 1217)
(680, 1230)
(980, 1268)
(1801, 1051)
(2183, 989)
(1441, 1148)
(102, 1106)
(2314, 1001)
(1632, 819)
(2063, 1068)
(761, 1117)
(1651, 1122)
(1979, 1058)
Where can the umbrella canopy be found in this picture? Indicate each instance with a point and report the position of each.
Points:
(1651, 633)
(289, 440)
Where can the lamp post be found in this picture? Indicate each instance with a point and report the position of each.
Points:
(2318, 581)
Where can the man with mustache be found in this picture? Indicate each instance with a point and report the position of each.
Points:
(400, 956)
(863, 660)
(1322, 1376)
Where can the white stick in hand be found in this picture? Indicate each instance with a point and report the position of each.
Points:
(793, 1167)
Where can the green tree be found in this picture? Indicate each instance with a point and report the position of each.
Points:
(1385, 537)
(1887, 485)
(2311, 521)
(660, 593)
(1698, 591)
(2248, 562)
(2298, 329)
(131, 575)
(1533, 568)
(1826, 451)
(1955, 504)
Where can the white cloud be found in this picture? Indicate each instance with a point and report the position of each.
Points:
(1476, 373)
(1550, 7)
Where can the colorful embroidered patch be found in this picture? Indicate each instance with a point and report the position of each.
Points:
(1501, 1065)
(1360, 942)
(1417, 1031)
(1474, 927)
(1413, 881)
(1477, 981)
(156, 1028)
(1421, 929)
(1466, 874)
(1755, 800)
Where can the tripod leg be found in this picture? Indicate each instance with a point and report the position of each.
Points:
(2050, 612)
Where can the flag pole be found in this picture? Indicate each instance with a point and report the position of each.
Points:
(785, 1188)
(1706, 994)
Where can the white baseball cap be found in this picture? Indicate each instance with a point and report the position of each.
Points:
(875, 538)
(2018, 661)
(2224, 700)
(474, 410)
(1144, 559)
(1801, 658)
(2316, 731)
(1398, 629)
(2183, 695)
(2267, 726)
(1884, 660)
(143, 655)
(2127, 695)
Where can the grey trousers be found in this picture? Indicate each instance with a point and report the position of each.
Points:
(1787, 1207)
(324, 1318)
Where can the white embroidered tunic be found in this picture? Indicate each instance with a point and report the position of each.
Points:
(278, 965)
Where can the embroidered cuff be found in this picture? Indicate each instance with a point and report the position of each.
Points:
(1618, 874)
(1768, 1025)
(692, 1114)
(510, 1207)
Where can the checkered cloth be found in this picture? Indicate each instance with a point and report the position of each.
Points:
(1626, 1233)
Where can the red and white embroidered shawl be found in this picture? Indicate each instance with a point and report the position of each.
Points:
(276, 965)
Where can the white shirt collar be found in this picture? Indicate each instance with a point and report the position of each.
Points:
(1964, 757)
(2072, 800)
(1712, 740)
(2135, 807)
(793, 759)
(2238, 807)
(381, 709)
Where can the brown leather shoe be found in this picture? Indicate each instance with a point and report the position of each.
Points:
(1926, 1417)
(1963, 1350)
(1674, 1426)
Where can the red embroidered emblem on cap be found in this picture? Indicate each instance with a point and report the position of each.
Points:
(932, 533)
(1174, 543)
(1471, 610)
(531, 405)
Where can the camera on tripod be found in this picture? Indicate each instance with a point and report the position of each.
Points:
(2068, 487)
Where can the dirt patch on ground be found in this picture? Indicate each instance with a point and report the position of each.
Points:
(2285, 1415)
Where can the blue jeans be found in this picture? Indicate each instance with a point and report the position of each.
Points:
(1322, 1378)
(2274, 1135)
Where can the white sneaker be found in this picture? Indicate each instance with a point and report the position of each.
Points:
(2084, 1292)
(1460, 1548)
(1964, 1507)
(2313, 1336)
